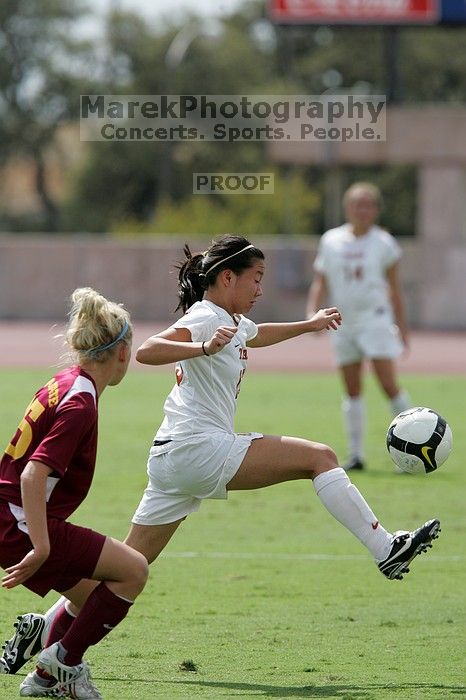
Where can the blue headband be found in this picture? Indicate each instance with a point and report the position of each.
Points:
(101, 348)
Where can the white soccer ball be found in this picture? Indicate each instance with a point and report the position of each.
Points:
(419, 440)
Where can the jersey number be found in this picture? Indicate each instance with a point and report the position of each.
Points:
(33, 412)
(355, 272)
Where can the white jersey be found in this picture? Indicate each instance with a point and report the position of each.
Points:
(355, 271)
(203, 399)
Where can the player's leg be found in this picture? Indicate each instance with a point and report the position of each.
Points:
(354, 413)
(385, 372)
(161, 510)
(350, 357)
(123, 573)
(35, 632)
(101, 609)
(272, 460)
(150, 540)
(351, 374)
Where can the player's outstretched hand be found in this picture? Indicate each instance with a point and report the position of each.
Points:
(20, 572)
(325, 319)
(220, 338)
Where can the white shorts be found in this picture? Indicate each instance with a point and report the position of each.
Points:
(374, 341)
(184, 472)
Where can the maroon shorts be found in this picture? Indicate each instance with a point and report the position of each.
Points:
(74, 552)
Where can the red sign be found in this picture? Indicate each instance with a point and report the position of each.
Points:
(355, 11)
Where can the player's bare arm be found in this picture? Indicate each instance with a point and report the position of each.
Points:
(33, 492)
(271, 333)
(397, 302)
(175, 344)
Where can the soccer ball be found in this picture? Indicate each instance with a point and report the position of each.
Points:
(419, 440)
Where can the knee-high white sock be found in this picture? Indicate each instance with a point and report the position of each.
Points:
(400, 402)
(354, 414)
(50, 616)
(343, 500)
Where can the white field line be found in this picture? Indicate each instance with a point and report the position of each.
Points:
(289, 557)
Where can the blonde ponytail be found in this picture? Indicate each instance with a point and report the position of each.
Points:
(96, 325)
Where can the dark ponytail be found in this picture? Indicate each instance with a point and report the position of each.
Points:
(200, 271)
(191, 281)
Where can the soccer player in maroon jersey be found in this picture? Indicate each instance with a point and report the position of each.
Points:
(45, 474)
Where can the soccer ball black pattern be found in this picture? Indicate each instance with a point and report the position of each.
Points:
(419, 440)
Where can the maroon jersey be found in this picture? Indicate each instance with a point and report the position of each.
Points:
(59, 429)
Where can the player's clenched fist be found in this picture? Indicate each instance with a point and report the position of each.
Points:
(220, 338)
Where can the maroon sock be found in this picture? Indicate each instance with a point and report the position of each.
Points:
(60, 625)
(101, 612)
(45, 676)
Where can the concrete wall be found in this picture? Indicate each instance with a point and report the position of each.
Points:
(38, 273)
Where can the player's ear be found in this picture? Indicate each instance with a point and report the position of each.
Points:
(124, 352)
(226, 276)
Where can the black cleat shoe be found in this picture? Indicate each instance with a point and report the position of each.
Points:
(353, 463)
(406, 546)
(25, 643)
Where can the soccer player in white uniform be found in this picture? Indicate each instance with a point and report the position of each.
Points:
(357, 269)
(196, 452)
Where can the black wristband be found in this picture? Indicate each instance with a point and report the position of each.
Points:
(204, 350)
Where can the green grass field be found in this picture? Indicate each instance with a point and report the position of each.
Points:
(266, 596)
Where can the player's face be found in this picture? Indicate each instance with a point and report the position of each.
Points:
(248, 287)
(362, 210)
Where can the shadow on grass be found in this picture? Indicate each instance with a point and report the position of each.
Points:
(346, 691)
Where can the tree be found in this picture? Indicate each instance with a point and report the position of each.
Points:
(291, 209)
(430, 60)
(38, 77)
(45, 68)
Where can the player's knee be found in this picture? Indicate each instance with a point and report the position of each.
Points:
(326, 460)
(139, 571)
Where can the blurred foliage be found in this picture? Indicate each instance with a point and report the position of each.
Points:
(398, 184)
(40, 69)
(146, 186)
(430, 62)
(292, 209)
(117, 181)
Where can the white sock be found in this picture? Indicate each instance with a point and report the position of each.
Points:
(354, 415)
(68, 605)
(343, 500)
(50, 615)
(400, 402)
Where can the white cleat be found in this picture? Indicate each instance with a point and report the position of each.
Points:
(75, 679)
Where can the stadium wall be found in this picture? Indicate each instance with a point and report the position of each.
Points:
(37, 274)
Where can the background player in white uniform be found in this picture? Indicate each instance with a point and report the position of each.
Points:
(357, 268)
(196, 453)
